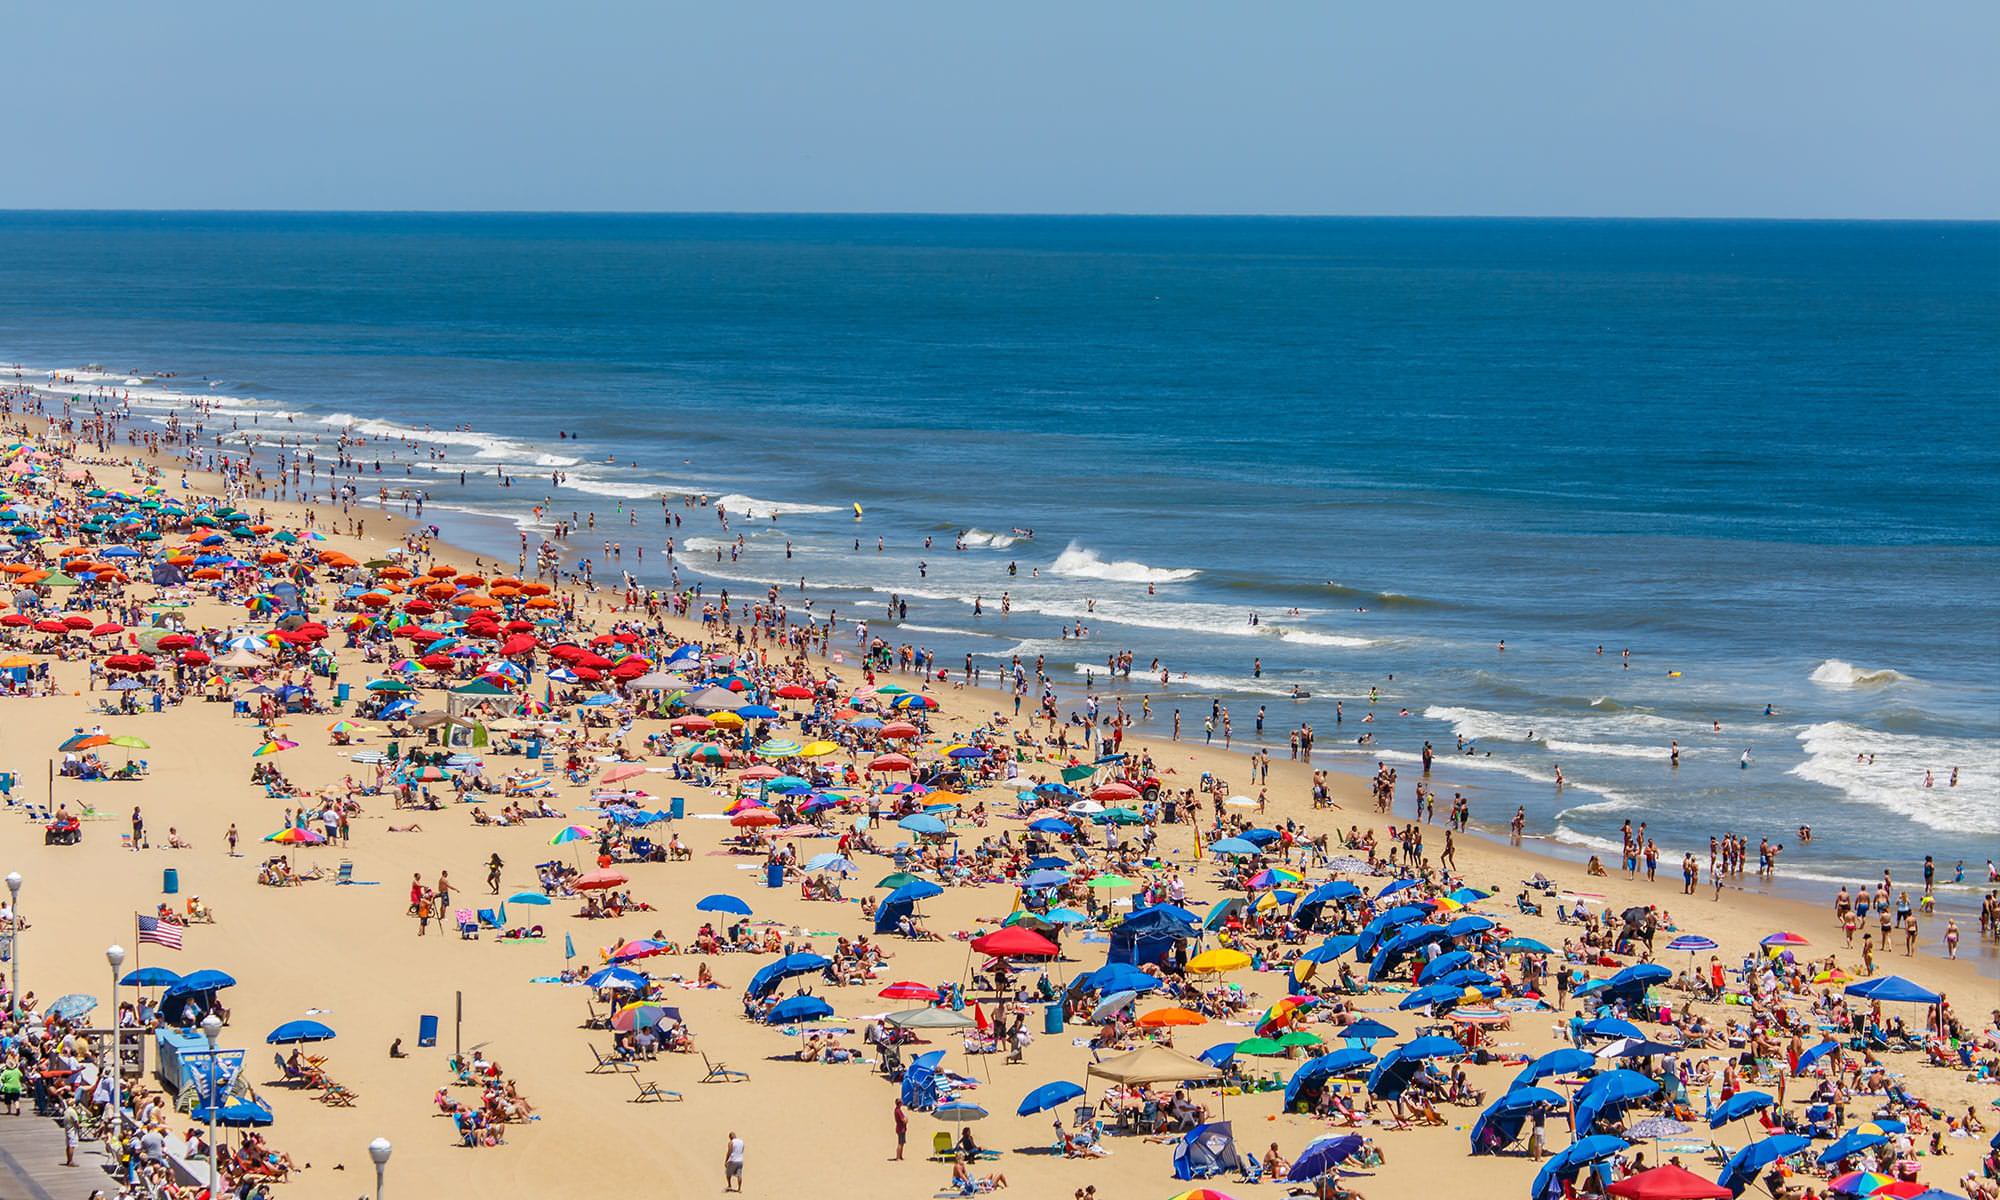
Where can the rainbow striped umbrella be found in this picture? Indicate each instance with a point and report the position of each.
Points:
(272, 747)
(573, 833)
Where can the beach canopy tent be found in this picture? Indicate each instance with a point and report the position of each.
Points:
(1150, 935)
(1153, 1064)
(1893, 988)
(1501, 1123)
(1667, 1182)
(1206, 1151)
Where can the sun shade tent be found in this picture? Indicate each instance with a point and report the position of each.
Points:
(1153, 1064)
(1207, 1151)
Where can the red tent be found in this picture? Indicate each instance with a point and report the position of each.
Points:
(1016, 941)
(1668, 1182)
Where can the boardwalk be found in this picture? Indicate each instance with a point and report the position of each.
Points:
(31, 1162)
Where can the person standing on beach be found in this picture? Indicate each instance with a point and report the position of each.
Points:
(902, 1128)
(732, 1164)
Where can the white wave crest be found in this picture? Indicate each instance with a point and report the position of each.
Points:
(611, 487)
(1308, 637)
(996, 541)
(738, 505)
(1835, 673)
(1887, 770)
(1076, 562)
(1478, 724)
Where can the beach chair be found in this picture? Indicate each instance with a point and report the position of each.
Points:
(649, 1092)
(468, 928)
(613, 1064)
(336, 1096)
(720, 1072)
(941, 1149)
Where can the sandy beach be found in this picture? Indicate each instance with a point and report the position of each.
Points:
(352, 957)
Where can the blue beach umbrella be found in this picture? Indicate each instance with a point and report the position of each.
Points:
(616, 979)
(528, 898)
(293, 1033)
(1854, 1141)
(794, 1009)
(150, 977)
(1048, 1096)
(923, 823)
(1322, 1155)
(722, 902)
(1741, 1105)
(1747, 1162)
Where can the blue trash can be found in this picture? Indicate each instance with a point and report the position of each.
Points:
(677, 809)
(340, 694)
(170, 881)
(427, 1030)
(1052, 1018)
(774, 875)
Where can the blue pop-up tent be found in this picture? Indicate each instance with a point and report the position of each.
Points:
(1206, 1151)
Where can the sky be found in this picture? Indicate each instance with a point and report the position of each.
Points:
(1780, 108)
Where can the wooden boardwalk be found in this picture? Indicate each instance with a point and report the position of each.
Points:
(31, 1162)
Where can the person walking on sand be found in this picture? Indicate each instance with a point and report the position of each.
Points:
(493, 866)
(902, 1128)
(732, 1164)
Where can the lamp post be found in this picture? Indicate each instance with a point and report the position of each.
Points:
(211, 1028)
(115, 955)
(14, 896)
(379, 1151)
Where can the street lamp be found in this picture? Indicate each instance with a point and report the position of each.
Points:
(379, 1151)
(211, 1028)
(115, 955)
(14, 895)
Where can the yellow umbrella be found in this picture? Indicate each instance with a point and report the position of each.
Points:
(819, 749)
(1218, 961)
(727, 720)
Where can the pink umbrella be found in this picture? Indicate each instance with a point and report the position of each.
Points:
(623, 771)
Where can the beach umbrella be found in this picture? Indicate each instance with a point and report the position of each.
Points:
(1635, 1048)
(1016, 942)
(1111, 1005)
(274, 746)
(293, 1033)
(73, 1006)
(1201, 1193)
(1859, 1183)
(916, 889)
(1580, 1153)
(771, 974)
(205, 980)
(909, 990)
(1367, 1029)
(599, 880)
(959, 1112)
(150, 977)
(1784, 939)
(1160, 1018)
(722, 902)
(1812, 1055)
(1217, 961)
(1854, 1141)
(1612, 1027)
(1747, 1162)
(924, 824)
(1262, 1047)
(794, 1009)
(573, 833)
(1232, 847)
(1667, 1182)
(1322, 1155)
(1655, 1128)
(528, 898)
(1524, 945)
(642, 1014)
(840, 864)
(292, 835)
(1691, 943)
(1048, 1096)
(1741, 1105)
(239, 1114)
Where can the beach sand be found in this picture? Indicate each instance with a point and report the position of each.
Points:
(352, 954)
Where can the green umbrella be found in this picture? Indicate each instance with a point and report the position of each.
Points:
(1299, 1037)
(130, 742)
(1263, 1046)
(896, 880)
(1108, 880)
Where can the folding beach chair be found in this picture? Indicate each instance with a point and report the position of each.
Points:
(345, 873)
(941, 1150)
(719, 1072)
(468, 928)
(649, 1092)
(612, 1065)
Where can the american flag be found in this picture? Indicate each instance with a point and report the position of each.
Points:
(160, 933)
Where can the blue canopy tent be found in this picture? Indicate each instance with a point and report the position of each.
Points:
(1608, 1093)
(1206, 1151)
(1149, 936)
(1501, 1123)
(1893, 988)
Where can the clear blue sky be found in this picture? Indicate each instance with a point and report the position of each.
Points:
(1782, 108)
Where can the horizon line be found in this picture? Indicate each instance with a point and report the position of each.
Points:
(948, 214)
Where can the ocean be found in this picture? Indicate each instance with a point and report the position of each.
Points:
(1276, 455)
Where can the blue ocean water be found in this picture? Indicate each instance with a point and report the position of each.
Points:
(1758, 455)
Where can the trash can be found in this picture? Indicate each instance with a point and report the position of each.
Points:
(427, 1030)
(678, 809)
(170, 881)
(774, 875)
(340, 693)
(1052, 1018)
